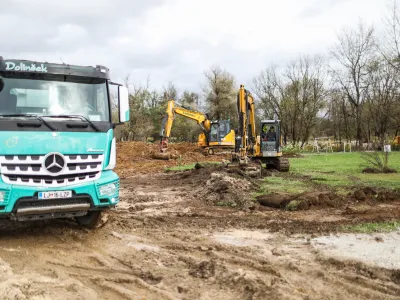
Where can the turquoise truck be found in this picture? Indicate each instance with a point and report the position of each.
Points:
(57, 144)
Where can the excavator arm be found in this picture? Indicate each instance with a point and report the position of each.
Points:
(172, 109)
(247, 125)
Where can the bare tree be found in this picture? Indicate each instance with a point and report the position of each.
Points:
(269, 89)
(382, 96)
(169, 92)
(220, 94)
(295, 96)
(307, 76)
(191, 99)
(353, 53)
(389, 45)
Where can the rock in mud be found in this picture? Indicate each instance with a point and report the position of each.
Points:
(359, 195)
(206, 269)
(182, 289)
(369, 191)
(277, 252)
(171, 154)
(204, 165)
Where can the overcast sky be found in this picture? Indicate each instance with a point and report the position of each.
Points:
(176, 40)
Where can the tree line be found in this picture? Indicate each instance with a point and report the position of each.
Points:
(349, 93)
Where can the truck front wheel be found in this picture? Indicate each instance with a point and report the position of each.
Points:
(90, 220)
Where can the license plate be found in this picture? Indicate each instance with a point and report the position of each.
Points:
(55, 195)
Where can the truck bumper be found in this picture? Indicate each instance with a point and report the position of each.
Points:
(22, 202)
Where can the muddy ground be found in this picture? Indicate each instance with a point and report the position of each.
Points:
(136, 157)
(198, 235)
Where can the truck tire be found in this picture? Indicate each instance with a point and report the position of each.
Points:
(90, 220)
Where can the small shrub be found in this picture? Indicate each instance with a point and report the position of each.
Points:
(377, 162)
(293, 205)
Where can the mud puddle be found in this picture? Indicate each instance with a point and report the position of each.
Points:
(243, 238)
(378, 250)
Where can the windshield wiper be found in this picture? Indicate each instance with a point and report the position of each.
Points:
(30, 116)
(74, 117)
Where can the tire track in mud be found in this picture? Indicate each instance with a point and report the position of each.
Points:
(287, 263)
(163, 243)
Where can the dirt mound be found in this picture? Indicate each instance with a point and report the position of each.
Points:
(137, 157)
(274, 200)
(224, 190)
(377, 171)
(307, 200)
(301, 201)
(371, 195)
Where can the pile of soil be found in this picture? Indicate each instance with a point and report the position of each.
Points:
(371, 195)
(378, 171)
(221, 189)
(136, 157)
(302, 201)
(308, 200)
(218, 185)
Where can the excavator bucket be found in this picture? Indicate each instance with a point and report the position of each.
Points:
(245, 166)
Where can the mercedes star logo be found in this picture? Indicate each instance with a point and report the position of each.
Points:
(54, 163)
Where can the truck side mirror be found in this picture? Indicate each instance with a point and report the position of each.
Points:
(1, 84)
(123, 99)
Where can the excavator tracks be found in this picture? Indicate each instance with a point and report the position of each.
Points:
(283, 164)
(280, 164)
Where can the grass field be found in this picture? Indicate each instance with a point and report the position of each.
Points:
(374, 227)
(344, 169)
(339, 171)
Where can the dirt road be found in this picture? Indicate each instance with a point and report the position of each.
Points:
(165, 242)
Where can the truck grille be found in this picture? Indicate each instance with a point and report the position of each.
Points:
(36, 170)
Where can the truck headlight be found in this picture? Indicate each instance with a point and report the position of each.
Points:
(2, 196)
(108, 189)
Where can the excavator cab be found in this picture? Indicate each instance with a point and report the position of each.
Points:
(271, 146)
(218, 131)
(220, 136)
(270, 140)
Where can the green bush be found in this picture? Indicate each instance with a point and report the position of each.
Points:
(291, 149)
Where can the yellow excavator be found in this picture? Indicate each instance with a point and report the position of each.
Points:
(261, 149)
(216, 135)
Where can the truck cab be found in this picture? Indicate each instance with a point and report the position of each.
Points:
(57, 145)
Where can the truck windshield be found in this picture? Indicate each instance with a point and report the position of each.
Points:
(52, 98)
